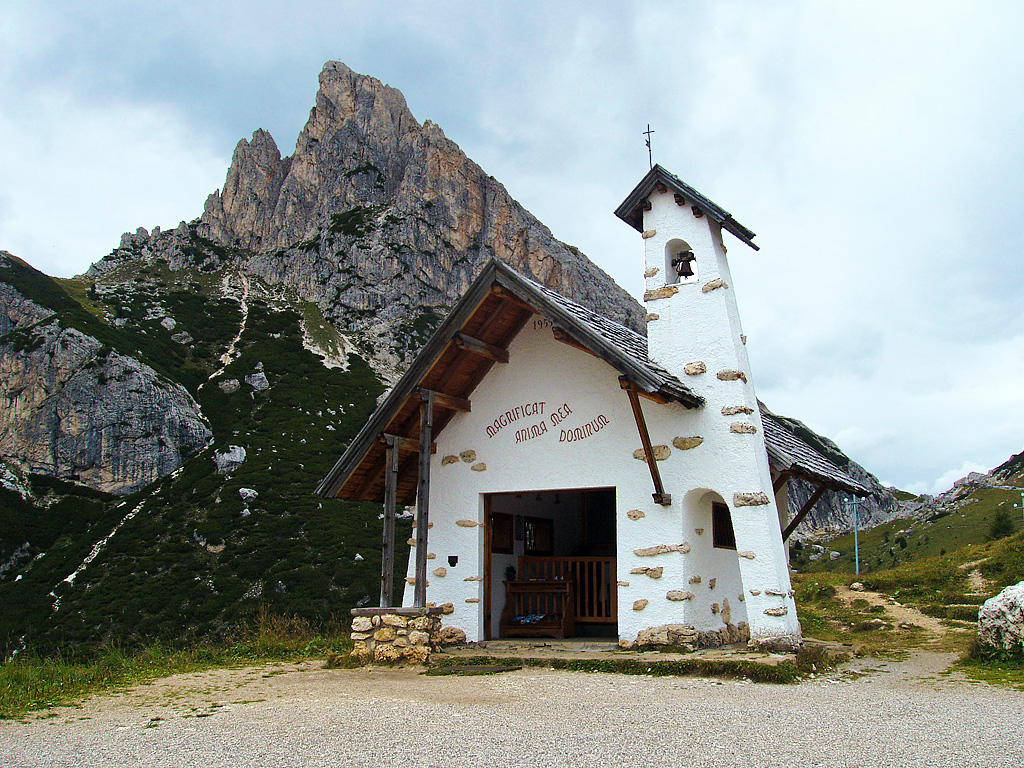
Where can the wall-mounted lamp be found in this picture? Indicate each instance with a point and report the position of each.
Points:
(453, 560)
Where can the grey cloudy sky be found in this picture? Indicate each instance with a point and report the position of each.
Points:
(875, 147)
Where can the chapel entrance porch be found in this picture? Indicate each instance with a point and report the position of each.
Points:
(549, 564)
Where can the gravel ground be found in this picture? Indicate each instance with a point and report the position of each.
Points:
(899, 714)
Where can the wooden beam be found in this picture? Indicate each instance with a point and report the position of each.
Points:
(451, 402)
(407, 443)
(660, 497)
(371, 477)
(387, 564)
(510, 298)
(803, 512)
(655, 397)
(781, 480)
(481, 348)
(423, 496)
(566, 338)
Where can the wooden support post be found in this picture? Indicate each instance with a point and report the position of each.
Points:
(481, 348)
(780, 481)
(407, 443)
(660, 497)
(387, 566)
(423, 495)
(803, 512)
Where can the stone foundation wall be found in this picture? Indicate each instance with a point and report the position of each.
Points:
(688, 638)
(397, 635)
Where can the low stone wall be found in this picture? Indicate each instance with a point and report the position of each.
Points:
(395, 635)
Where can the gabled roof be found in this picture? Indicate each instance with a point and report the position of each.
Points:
(466, 345)
(788, 453)
(460, 353)
(631, 209)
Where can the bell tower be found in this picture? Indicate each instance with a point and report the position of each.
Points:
(694, 332)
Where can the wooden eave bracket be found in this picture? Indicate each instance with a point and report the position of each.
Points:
(803, 511)
(442, 400)
(405, 443)
(659, 495)
(480, 348)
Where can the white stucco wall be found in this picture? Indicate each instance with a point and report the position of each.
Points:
(543, 370)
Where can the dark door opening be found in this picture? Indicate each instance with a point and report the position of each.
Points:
(550, 564)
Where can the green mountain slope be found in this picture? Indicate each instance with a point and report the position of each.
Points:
(190, 558)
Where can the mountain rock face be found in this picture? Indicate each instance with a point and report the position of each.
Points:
(376, 218)
(72, 408)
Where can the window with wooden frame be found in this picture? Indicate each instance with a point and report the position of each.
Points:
(723, 535)
(539, 536)
(501, 534)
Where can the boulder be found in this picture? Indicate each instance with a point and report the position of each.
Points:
(1001, 620)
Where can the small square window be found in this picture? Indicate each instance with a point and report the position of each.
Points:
(721, 526)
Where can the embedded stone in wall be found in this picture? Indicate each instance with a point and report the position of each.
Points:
(639, 605)
(662, 549)
(696, 368)
(467, 523)
(474, 578)
(776, 611)
(686, 443)
(735, 410)
(385, 634)
(447, 609)
(416, 654)
(451, 459)
(652, 271)
(449, 636)
(386, 653)
(481, 467)
(742, 428)
(743, 338)
(726, 611)
(746, 554)
(411, 542)
(361, 624)
(401, 642)
(646, 570)
(714, 608)
(695, 579)
(431, 556)
(634, 514)
(622, 583)
(749, 499)
(661, 452)
(429, 525)
(664, 292)
(647, 234)
(699, 531)
(741, 598)
(468, 456)
(711, 583)
(775, 592)
(417, 637)
(678, 595)
(391, 620)
(755, 592)
(668, 634)
(730, 375)
(421, 623)
(411, 580)
(652, 316)
(472, 599)
(712, 285)
(440, 572)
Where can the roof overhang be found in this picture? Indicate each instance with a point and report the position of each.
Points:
(631, 209)
(471, 340)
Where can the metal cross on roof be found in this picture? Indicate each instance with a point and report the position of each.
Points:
(650, 155)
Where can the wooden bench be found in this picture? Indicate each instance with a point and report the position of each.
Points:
(553, 601)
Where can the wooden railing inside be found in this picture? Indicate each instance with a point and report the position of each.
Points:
(596, 595)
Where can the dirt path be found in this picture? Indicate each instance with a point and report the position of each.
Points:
(898, 613)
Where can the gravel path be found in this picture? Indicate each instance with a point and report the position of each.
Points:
(899, 714)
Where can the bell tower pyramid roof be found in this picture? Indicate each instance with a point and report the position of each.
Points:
(631, 209)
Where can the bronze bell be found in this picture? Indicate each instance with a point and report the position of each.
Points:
(682, 262)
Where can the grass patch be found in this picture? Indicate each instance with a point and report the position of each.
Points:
(993, 666)
(30, 682)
